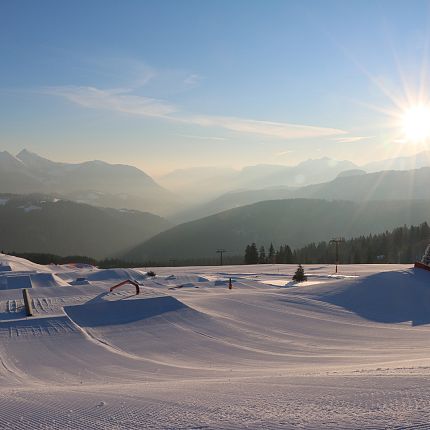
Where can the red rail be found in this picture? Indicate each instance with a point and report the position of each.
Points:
(420, 265)
(128, 281)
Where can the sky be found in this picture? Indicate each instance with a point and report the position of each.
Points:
(173, 84)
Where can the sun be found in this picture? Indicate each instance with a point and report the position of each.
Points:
(416, 123)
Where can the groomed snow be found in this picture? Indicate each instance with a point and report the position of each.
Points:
(344, 351)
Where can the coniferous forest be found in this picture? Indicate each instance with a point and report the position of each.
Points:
(401, 245)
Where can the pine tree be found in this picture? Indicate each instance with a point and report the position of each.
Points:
(288, 255)
(280, 255)
(299, 276)
(251, 254)
(248, 254)
(262, 256)
(271, 257)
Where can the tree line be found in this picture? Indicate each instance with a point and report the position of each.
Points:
(109, 263)
(401, 245)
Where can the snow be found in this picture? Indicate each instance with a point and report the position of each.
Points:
(347, 350)
(30, 208)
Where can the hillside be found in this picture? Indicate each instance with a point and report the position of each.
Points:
(204, 182)
(353, 185)
(415, 161)
(92, 182)
(296, 222)
(385, 185)
(42, 224)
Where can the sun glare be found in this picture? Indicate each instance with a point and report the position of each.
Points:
(416, 123)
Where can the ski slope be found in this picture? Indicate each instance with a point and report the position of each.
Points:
(341, 351)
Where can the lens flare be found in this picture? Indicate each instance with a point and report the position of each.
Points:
(416, 123)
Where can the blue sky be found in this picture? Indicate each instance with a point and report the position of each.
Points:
(170, 84)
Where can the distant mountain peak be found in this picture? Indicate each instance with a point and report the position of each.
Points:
(24, 152)
(31, 158)
(118, 184)
(5, 154)
(7, 157)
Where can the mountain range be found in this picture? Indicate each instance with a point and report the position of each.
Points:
(61, 208)
(201, 183)
(354, 185)
(206, 183)
(94, 182)
(186, 193)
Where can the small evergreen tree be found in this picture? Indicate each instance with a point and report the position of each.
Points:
(299, 276)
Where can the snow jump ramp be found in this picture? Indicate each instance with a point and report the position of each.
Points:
(18, 280)
(106, 313)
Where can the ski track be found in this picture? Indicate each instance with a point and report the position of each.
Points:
(188, 353)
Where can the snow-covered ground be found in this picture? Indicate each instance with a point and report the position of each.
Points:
(340, 351)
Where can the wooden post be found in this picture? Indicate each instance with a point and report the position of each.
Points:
(336, 241)
(27, 302)
(230, 285)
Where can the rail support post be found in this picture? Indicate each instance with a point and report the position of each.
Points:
(27, 302)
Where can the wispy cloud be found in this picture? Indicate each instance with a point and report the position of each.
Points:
(351, 139)
(192, 136)
(123, 101)
(266, 128)
(192, 80)
(122, 69)
(283, 153)
(117, 100)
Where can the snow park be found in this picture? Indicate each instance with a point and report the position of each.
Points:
(215, 215)
(214, 347)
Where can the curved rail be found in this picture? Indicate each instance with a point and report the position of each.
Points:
(128, 281)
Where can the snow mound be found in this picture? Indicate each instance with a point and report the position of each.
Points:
(388, 297)
(18, 264)
(16, 280)
(220, 282)
(186, 285)
(115, 275)
(5, 267)
(106, 313)
(80, 281)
